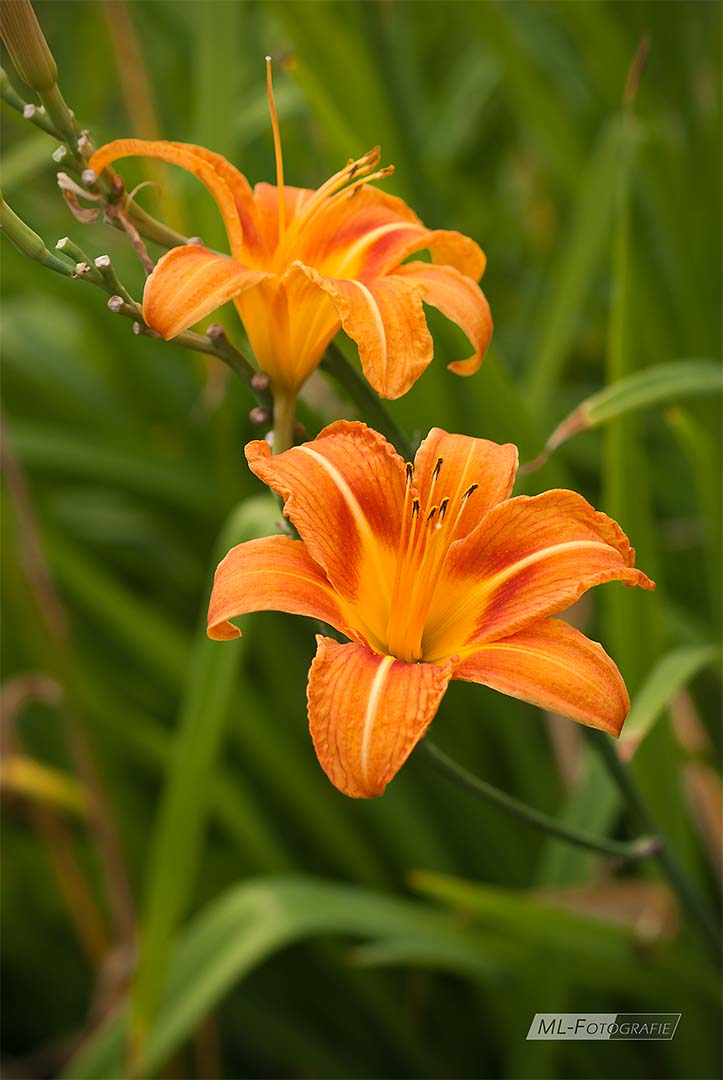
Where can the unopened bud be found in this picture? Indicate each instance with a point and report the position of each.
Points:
(27, 46)
(116, 303)
(259, 416)
(260, 382)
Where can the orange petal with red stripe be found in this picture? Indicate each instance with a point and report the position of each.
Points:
(367, 713)
(530, 557)
(229, 187)
(271, 574)
(386, 320)
(344, 493)
(461, 300)
(465, 462)
(552, 665)
(189, 283)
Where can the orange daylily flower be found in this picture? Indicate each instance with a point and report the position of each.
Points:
(434, 573)
(305, 263)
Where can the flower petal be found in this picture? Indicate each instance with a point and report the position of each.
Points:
(530, 557)
(465, 461)
(289, 322)
(229, 187)
(189, 283)
(386, 319)
(344, 493)
(271, 574)
(461, 300)
(367, 713)
(553, 665)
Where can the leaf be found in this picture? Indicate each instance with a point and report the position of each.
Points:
(187, 797)
(239, 931)
(674, 671)
(580, 254)
(656, 385)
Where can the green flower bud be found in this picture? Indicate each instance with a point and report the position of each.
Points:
(26, 44)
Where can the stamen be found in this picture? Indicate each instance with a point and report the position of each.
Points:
(437, 467)
(469, 491)
(410, 471)
(415, 508)
(443, 508)
(277, 150)
(431, 514)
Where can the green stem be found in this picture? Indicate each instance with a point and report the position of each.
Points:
(284, 416)
(60, 116)
(635, 851)
(359, 390)
(667, 860)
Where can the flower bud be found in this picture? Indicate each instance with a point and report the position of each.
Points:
(27, 46)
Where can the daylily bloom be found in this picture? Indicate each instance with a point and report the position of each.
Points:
(434, 573)
(305, 263)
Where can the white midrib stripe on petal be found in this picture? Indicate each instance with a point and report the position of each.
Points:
(372, 709)
(368, 538)
(377, 316)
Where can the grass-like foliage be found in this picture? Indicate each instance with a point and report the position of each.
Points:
(183, 892)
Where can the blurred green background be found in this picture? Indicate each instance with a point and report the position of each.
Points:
(156, 783)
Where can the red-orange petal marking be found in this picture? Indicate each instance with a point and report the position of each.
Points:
(530, 557)
(490, 466)
(552, 665)
(189, 283)
(367, 713)
(271, 574)
(344, 493)
(461, 300)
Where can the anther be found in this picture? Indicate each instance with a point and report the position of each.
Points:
(410, 471)
(443, 508)
(469, 491)
(415, 508)
(437, 468)
(431, 514)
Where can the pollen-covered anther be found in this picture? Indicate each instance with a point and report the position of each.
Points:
(409, 467)
(470, 490)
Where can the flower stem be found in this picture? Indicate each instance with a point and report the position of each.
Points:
(284, 416)
(359, 390)
(667, 860)
(629, 852)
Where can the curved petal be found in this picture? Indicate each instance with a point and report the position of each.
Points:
(372, 233)
(289, 322)
(530, 557)
(466, 461)
(367, 713)
(461, 300)
(189, 283)
(344, 493)
(386, 320)
(553, 665)
(274, 573)
(229, 187)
